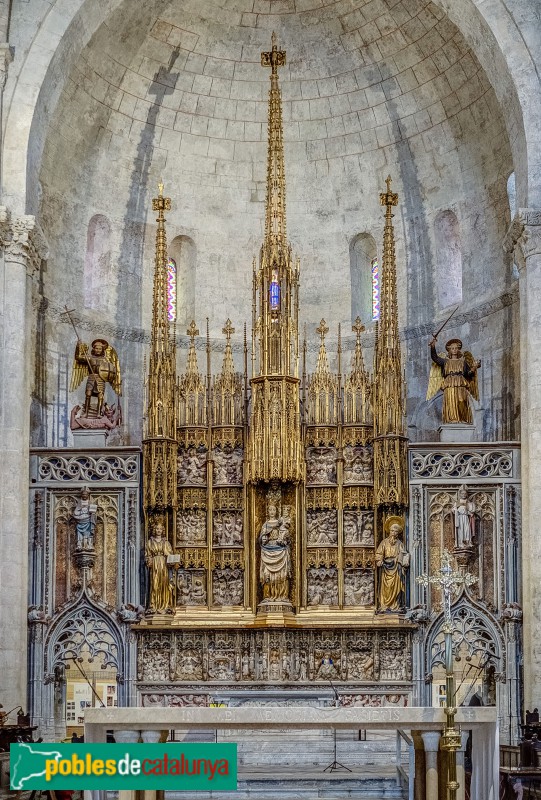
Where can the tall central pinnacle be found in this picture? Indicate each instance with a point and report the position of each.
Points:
(275, 221)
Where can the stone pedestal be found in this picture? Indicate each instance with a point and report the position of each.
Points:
(89, 439)
(458, 432)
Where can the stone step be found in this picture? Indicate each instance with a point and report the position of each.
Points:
(307, 787)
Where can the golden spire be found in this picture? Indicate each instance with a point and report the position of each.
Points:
(389, 383)
(275, 220)
(159, 445)
(357, 384)
(390, 445)
(191, 387)
(323, 386)
(227, 389)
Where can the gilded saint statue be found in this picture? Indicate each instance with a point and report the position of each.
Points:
(100, 367)
(275, 569)
(392, 560)
(455, 373)
(156, 552)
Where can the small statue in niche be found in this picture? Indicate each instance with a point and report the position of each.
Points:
(392, 560)
(156, 552)
(327, 670)
(455, 373)
(84, 514)
(464, 510)
(100, 367)
(275, 569)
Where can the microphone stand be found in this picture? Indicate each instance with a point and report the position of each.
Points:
(335, 766)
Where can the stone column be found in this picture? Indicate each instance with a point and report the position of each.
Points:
(524, 240)
(431, 740)
(23, 250)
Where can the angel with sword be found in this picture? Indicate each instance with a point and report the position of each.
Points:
(455, 374)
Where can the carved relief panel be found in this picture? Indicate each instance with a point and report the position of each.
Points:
(192, 466)
(274, 656)
(322, 528)
(322, 586)
(191, 527)
(358, 464)
(358, 587)
(359, 528)
(228, 586)
(191, 587)
(227, 468)
(321, 465)
(227, 528)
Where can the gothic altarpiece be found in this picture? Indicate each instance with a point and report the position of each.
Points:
(284, 520)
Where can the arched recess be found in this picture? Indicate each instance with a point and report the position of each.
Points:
(83, 633)
(448, 259)
(479, 653)
(362, 252)
(97, 269)
(184, 252)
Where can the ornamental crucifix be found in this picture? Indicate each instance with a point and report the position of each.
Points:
(449, 582)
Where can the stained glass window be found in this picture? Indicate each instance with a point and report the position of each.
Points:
(274, 291)
(375, 289)
(171, 290)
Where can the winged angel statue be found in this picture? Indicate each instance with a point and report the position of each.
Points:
(99, 367)
(455, 373)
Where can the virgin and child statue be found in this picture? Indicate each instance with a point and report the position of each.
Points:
(275, 542)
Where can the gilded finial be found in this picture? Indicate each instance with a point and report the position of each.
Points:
(275, 58)
(358, 327)
(322, 330)
(193, 330)
(160, 187)
(388, 198)
(228, 329)
(161, 203)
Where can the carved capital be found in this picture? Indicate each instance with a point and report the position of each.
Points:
(23, 240)
(523, 239)
(6, 57)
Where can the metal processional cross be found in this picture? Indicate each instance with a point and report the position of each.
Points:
(449, 581)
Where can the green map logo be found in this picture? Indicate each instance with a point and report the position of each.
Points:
(190, 767)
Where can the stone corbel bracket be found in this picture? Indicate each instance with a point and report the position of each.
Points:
(523, 239)
(23, 240)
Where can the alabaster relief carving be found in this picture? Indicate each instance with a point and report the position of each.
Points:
(274, 656)
(359, 528)
(358, 464)
(227, 528)
(374, 700)
(191, 527)
(322, 527)
(322, 586)
(358, 587)
(320, 465)
(191, 587)
(192, 467)
(227, 466)
(228, 586)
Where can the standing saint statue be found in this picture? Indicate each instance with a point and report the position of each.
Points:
(156, 552)
(275, 569)
(464, 510)
(100, 367)
(455, 373)
(84, 514)
(392, 560)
